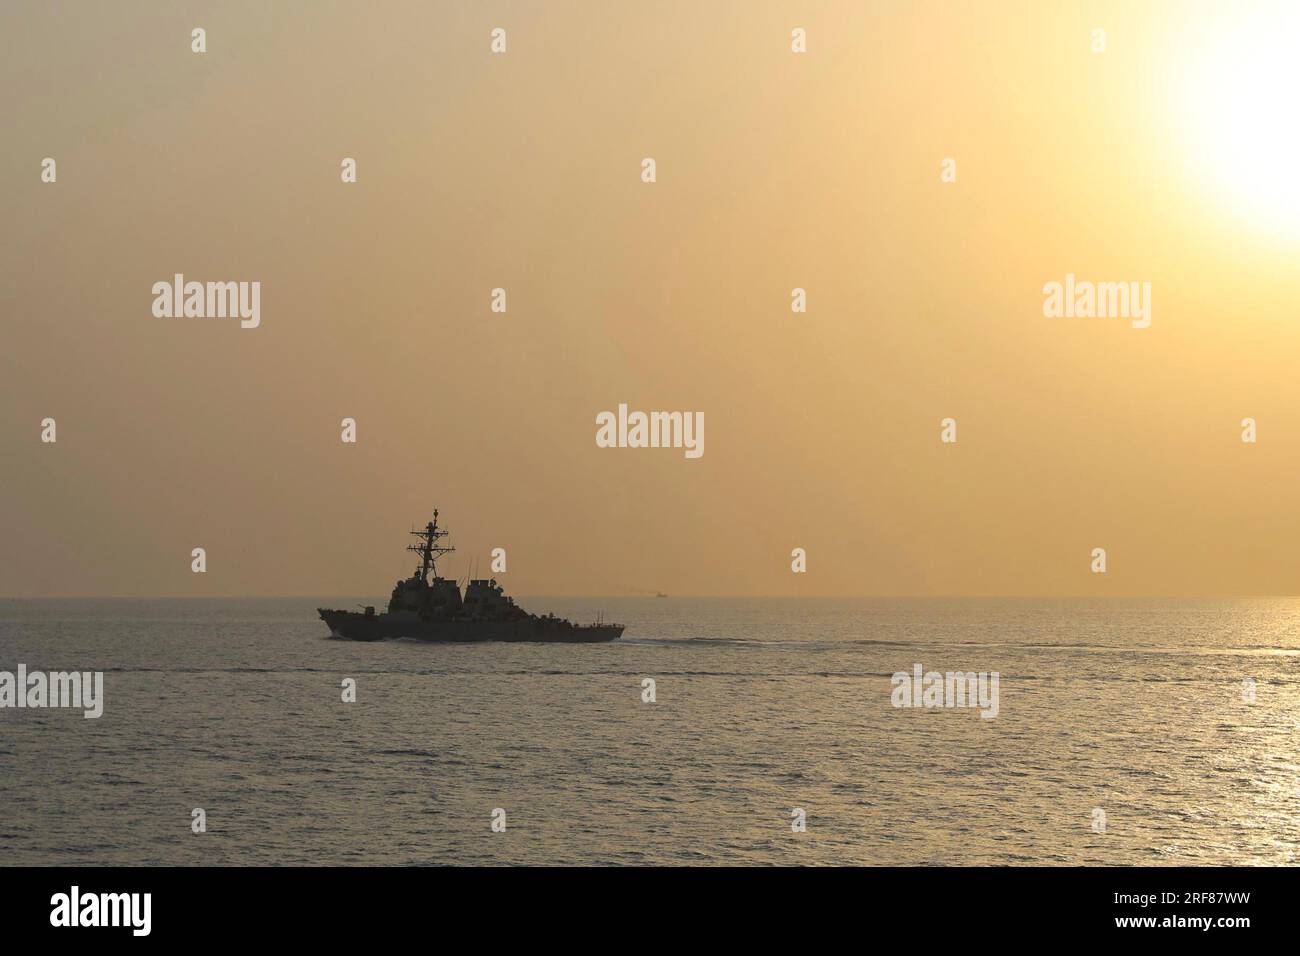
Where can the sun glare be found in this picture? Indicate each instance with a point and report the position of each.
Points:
(1242, 116)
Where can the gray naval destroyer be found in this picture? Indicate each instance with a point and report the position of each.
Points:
(432, 609)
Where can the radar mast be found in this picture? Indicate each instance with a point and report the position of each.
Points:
(428, 549)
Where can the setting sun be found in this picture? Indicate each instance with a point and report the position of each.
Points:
(1240, 110)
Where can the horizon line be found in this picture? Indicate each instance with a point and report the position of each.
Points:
(651, 597)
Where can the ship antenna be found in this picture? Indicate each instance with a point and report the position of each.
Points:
(428, 549)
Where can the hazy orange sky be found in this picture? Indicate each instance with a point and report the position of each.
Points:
(522, 170)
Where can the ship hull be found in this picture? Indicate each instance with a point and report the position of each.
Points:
(380, 627)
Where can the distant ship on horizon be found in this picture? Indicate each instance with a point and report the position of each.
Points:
(433, 609)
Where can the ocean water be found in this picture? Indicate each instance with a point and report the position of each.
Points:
(1135, 708)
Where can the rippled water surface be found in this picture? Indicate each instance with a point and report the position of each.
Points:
(1134, 707)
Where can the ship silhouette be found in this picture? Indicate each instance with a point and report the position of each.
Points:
(431, 608)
